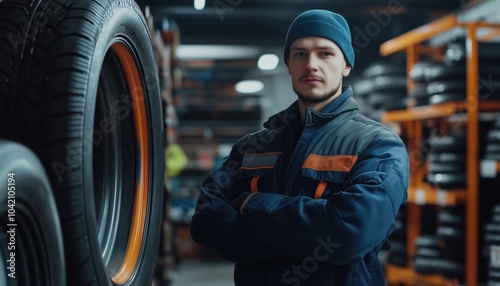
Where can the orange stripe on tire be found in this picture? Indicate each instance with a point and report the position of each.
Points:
(141, 196)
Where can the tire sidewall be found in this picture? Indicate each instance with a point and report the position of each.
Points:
(124, 24)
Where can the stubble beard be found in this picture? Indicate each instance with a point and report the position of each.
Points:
(311, 99)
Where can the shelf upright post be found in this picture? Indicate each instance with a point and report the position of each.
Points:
(472, 202)
(415, 138)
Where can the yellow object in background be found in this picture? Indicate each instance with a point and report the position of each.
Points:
(175, 158)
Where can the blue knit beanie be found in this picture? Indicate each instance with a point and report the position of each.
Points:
(321, 23)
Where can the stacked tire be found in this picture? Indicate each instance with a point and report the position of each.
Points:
(451, 236)
(419, 95)
(397, 255)
(389, 86)
(447, 171)
(492, 148)
(383, 88)
(428, 255)
(443, 252)
(441, 82)
(361, 89)
(447, 82)
(79, 87)
(446, 161)
(492, 247)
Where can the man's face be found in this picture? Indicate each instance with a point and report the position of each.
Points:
(317, 67)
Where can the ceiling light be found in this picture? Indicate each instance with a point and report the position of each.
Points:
(268, 62)
(249, 86)
(199, 4)
(216, 52)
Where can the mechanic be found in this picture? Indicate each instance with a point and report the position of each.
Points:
(310, 199)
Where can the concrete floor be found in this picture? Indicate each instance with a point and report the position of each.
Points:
(203, 273)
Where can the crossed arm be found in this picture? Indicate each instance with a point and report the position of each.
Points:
(269, 226)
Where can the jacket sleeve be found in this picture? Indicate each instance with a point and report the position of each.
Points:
(344, 227)
(217, 225)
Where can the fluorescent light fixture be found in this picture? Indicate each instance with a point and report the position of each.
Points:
(268, 62)
(249, 86)
(199, 4)
(216, 52)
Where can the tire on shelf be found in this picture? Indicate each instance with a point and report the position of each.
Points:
(445, 87)
(427, 241)
(448, 144)
(384, 68)
(448, 218)
(385, 83)
(445, 71)
(492, 238)
(417, 72)
(495, 218)
(494, 135)
(447, 180)
(362, 87)
(492, 156)
(446, 157)
(446, 97)
(35, 235)
(429, 252)
(452, 269)
(79, 83)
(435, 167)
(457, 70)
(387, 100)
(425, 265)
(493, 148)
(494, 275)
(420, 91)
(456, 52)
(494, 268)
(451, 235)
(492, 228)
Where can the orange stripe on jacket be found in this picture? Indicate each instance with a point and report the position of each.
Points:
(320, 189)
(253, 184)
(341, 163)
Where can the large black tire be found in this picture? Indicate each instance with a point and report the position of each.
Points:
(29, 223)
(79, 86)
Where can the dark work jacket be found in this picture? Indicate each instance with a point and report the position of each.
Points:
(325, 201)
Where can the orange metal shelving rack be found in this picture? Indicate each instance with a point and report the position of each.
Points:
(412, 119)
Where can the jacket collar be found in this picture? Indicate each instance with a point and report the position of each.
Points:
(343, 103)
